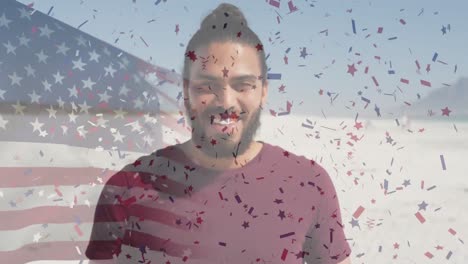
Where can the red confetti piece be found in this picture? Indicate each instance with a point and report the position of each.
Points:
(425, 83)
(429, 255)
(402, 21)
(78, 230)
(451, 231)
(358, 212)
(379, 30)
(291, 6)
(405, 81)
(420, 217)
(275, 3)
(284, 254)
(375, 81)
(59, 193)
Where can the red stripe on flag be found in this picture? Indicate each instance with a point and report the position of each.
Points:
(13, 220)
(41, 176)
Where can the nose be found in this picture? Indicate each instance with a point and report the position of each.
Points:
(227, 97)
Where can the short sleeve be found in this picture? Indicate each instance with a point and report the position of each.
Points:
(325, 241)
(110, 219)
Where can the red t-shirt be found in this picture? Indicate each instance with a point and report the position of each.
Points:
(278, 208)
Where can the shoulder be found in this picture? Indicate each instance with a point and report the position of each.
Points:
(296, 161)
(310, 171)
(142, 167)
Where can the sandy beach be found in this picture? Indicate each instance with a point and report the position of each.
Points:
(403, 191)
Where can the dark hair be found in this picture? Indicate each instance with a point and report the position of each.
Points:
(222, 25)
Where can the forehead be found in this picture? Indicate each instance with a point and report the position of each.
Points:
(213, 60)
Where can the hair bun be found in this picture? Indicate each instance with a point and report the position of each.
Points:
(224, 15)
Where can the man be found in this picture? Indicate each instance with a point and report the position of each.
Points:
(221, 197)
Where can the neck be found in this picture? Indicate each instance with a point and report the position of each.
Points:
(202, 159)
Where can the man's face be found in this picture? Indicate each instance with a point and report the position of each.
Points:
(224, 85)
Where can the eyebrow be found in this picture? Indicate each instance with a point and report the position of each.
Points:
(244, 77)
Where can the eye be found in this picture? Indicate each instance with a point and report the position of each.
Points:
(203, 88)
(243, 86)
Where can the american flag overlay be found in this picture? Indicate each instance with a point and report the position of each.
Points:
(73, 110)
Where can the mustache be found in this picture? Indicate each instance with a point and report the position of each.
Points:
(225, 114)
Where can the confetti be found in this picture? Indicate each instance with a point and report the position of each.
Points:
(452, 232)
(146, 44)
(50, 10)
(358, 212)
(284, 254)
(287, 234)
(274, 76)
(420, 217)
(82, 24)
(448, 255)
(442, 160)
(291, 7)
(275, 3)
(238, 199)
(428, 255)
(425, 83)
(353, 25)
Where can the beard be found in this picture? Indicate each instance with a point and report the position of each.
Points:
(225, 147)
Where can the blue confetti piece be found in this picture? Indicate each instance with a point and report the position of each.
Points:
(238, 199)
(354, 26)
(50, 10)
(434, 58)
(392, 38)
(287, 51)
(274, 76)
(391, 72)
(82, 24)
(442, 160)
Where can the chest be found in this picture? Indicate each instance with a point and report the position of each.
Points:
(229, 220)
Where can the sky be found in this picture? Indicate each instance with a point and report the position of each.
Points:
(319, 82)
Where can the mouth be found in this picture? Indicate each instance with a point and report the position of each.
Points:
(227, 125)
